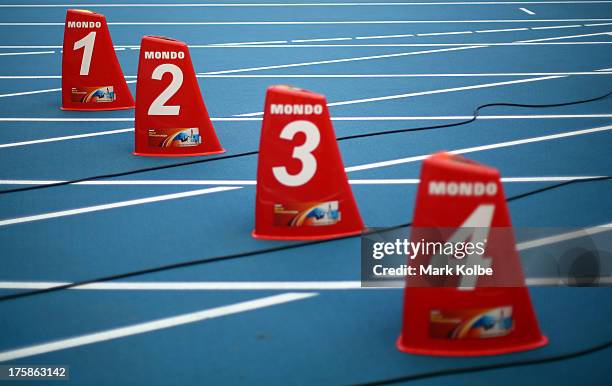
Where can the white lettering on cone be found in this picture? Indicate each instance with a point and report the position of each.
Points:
(168, 55)
(465, 189)
(282, 109)
(84, 24)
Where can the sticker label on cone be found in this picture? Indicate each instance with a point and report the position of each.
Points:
(302, 188)
(306, 214)
(174, 137)
(92, 78)
(93, 94)
(171, 118)
(471, 323)
(460, 201)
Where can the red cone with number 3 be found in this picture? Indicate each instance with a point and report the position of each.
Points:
(459, 200)
(302, 188)
(171, 118)
(91, 75)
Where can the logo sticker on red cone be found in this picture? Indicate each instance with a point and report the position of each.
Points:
(482, 307)
(91, 75)
(171, 118)
(302, 188)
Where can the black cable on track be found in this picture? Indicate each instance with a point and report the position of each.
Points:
(238, 255)
(344, 138)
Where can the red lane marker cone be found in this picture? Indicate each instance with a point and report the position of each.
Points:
(302, 188)
(171, 118)
(460, 200)
(91, 75)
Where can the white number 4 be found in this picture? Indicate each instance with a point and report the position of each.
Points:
(476, 229)
(302, 153)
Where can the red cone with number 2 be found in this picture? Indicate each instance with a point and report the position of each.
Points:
(91, 75)
(459, 200)
(302, 188)
(171, 118)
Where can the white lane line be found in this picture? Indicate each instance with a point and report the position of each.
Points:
(480, 117)
(319, 40)
(133, 182)
(65, 138)
(268, 42)
(607, 71)
(292, 285)
(133, 47)
(441, 91)
(198, 285)
(120, 204)
(460, 46)
(383, 36)
(565, 37)
(309, 22)
(445, 33)
(350, 119)
(154, 325)
(26, 53)
(31, 119)
(597, 25)
(527, 11)
(398, 45)
(557, 26)
(421, 93)
(239, 285)
(396, 181)
(563, 237)
(313, 4)
(353, 59)
(498, 145)
(357, 119)
(339, 119)
(30, 92)
(553, 281)
(503, 30)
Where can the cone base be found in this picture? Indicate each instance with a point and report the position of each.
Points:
(103, 109)
(166, 155)
(543, 341)
(321, 237)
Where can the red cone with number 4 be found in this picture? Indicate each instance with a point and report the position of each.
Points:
(171, 118)
(91, 75)
(302, 188)
(480, 306)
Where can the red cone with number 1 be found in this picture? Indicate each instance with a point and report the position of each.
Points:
(302, 188)
(91, 75)
(171, 118)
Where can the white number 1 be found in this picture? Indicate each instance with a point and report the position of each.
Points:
(302, 153)
(87, 42)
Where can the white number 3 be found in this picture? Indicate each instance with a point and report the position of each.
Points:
(302, 153)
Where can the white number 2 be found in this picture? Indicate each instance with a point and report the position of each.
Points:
(87, 42)
(158, 106)
(302, 153)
